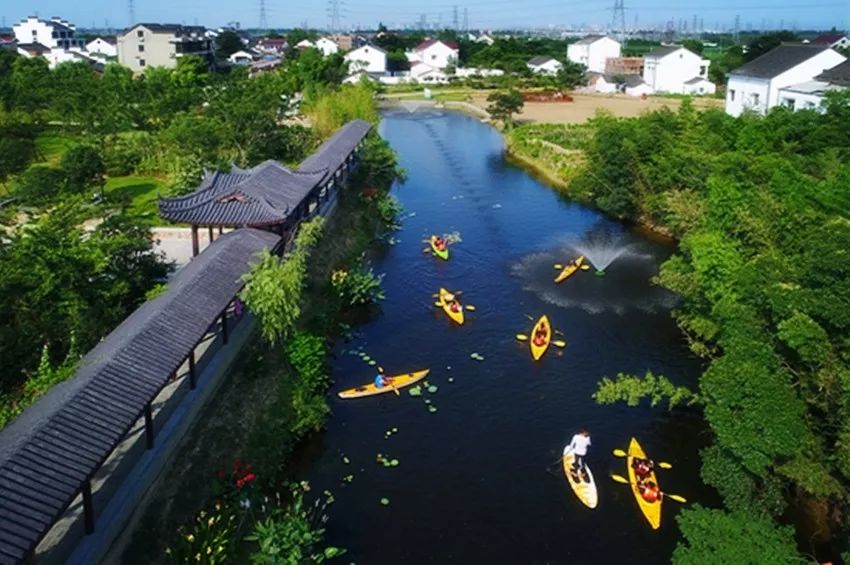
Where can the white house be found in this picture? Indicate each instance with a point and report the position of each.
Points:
(544, 65)
(809, 95)
(106, 46)
(305, 44)
(368, 58)
(669, 67)
(242, 57)
(834, 40)
(485, 38)
(602, 83)
(699, 86)
(633, 85)
(52, 34)
(327, 46)
(436, 53)
(592, 51)
(755, 85)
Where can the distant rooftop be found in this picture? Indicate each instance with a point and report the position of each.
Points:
(838, 75)
(663, 51)
(588, 39)
(540, 60)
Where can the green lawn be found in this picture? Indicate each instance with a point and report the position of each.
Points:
(140, 192)
(50, 147)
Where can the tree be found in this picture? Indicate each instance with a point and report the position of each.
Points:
(571, 75)
(227, 43)
(504, 104)
(38, 185)
(715, 537)
(764, 43)
(83, 168)
(31, 85)
(694, 46)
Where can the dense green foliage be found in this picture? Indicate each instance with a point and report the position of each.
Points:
(760, 207)
(64, 287)
(273, 287)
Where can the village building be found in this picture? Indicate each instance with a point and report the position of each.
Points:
(435, 53)
(834, 40)
(54, 33)
(369, 59)
(106, 46)
(669, 68)
(161, 45)
(327, 46)
(543, 65)
(756, 85)
(593, 51)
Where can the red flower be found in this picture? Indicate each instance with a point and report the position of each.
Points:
(249, 477)
(240, 483)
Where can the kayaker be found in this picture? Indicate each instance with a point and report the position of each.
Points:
(642, 467)
(454, 307)
(381, 380)
(649, 491)
(540, 335)
(439, 243)
(578, 445)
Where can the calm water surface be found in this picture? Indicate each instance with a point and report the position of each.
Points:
(472, 485)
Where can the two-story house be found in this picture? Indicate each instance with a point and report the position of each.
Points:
(593, 51)
(55, 33)
(105, 46)
(756, 85)
(676, 70)
(435, 53)
(369, 59)
(161, 45)
(327, 46)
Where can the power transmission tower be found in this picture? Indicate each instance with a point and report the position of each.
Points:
(737, 28)
(455, 22)
(264, 19)
(618, 23)
(423, 21)
(466, 19)
(131, 11)
(334, 14)
(694, 26)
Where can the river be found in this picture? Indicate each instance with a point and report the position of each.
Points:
(475, 481)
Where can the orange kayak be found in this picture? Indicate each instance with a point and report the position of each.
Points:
(537, 351)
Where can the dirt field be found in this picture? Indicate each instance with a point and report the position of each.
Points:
(586, 105)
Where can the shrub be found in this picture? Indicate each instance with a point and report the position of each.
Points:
(38, 185)
(358, 286)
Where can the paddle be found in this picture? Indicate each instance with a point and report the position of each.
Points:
(395, 390)
(470, 307)
(559, 267)
(522, 337)
(559, 343)
(662, 464)
(625, 481)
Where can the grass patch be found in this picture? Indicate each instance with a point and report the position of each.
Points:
(140, 193)
(50, 147)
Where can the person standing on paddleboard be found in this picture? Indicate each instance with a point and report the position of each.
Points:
(579, 445)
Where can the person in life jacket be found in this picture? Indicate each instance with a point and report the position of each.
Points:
(649, 491)
(642, 467)
(541, 334)
(439, 243)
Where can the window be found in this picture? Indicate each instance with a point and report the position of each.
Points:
(140, 34)
(141, 62)
(789, 103)
(810, 105)
(755, 98)
(141, 48)
(702, 70)
(731, 95)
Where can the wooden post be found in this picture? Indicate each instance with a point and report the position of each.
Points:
(88, 508)
(149, 431)
(195, 246)
(224, 326)
(220, 230)
(211, 234)
(192, 380)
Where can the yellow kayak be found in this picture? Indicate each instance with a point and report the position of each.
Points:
(569, 269)
(441, 253)
(446, 301)
(397, 382)
(652, 510)
(585, 491)
(537, 351)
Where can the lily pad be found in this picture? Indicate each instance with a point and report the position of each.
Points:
(394, 463)
(372, 363)
(451, 379)
(385, 501)
(432, 389)
(366, 357)
(432, 409)
(346, 460)
(415, 391)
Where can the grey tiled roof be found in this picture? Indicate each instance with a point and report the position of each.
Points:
(838, 75)
(333, 152)
(540, 60)
(588, 39)
(58, 443)
(266, 194)
(780, 59)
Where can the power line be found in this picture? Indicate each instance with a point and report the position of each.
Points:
(618, 23)
(334, 14)
(131, 11)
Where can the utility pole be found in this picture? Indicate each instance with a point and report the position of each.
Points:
(131, 11)
(264, 19)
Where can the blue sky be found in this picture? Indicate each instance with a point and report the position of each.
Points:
(481, 13)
